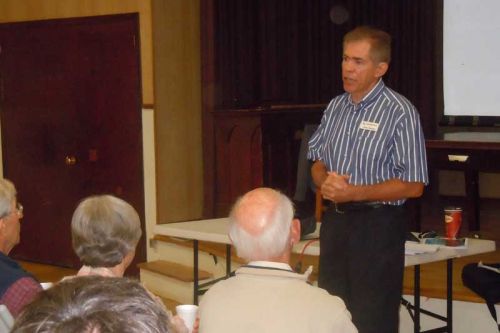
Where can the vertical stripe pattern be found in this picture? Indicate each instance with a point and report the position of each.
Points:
(392, 147)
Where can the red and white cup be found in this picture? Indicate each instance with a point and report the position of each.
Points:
(452, 221)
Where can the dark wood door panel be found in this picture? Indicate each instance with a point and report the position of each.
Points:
(71, 123)
(256, 148)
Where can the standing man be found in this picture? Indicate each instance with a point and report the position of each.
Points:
(369, 154)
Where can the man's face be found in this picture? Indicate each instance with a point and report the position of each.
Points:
(359, 72)
(11, 227)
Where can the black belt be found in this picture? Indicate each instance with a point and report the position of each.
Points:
(356, 206)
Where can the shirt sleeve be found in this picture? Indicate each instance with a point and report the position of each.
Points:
(19, 294)
(410, 158)
(317, 140)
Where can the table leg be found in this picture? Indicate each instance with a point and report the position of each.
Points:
(228, 260)
(195, 271)
(449, 295)
(416, 300)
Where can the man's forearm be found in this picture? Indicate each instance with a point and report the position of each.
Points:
(319, 173)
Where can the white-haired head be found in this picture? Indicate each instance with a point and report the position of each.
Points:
(260, 225)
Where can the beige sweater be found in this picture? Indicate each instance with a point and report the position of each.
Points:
(271, 300)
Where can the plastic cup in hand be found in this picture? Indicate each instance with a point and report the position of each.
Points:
(46, 285)
(188, 313)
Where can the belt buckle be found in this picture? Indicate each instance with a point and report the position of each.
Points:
(338, 210)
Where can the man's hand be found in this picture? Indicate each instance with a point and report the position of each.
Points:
(336, 187)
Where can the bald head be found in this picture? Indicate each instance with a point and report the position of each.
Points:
(254, 211)
(261, 225)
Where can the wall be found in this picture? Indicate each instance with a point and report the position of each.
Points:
(178, 104)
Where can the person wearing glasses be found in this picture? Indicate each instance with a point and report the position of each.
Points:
(17, 287)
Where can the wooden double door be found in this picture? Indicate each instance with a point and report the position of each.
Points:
(71, 127)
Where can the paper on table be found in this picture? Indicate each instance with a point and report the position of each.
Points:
(417, 248)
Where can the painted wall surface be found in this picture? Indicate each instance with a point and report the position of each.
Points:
(176, 35)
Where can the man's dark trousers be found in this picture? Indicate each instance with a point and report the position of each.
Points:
(362, 261)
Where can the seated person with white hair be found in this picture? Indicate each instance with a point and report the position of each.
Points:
(105, 231)
(266, 295)
(94, 304)
(17, 287)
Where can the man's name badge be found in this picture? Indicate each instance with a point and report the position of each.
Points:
(369, 126)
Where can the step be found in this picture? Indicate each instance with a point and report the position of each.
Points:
(174, 270)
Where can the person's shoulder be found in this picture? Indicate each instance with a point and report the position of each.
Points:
(338, 99)
(12, 268)
(219, 287)
(28, 283)
(323, 305)
(319, 296)
(399, 100)
(335, 102)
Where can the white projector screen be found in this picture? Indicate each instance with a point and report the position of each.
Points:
(471, 58)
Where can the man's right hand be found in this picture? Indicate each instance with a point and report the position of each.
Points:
(334, 186)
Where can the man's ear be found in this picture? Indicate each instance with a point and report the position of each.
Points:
(381, 69)
(295, 231)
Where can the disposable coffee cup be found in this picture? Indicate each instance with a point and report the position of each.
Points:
(46, 285)
(452, 221)
(188, 313)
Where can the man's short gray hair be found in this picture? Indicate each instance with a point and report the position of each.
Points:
(89, 304)
(7, 196)
(273, 241)
(104, 229)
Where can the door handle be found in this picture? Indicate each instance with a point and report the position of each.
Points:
(70, 160)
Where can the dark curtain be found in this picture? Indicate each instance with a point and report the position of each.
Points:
(270, 52)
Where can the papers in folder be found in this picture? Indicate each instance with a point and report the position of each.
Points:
(412, 248)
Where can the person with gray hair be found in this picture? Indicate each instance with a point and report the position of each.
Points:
(266, 295)
(105, 231)
(17, 287)
(94, 304)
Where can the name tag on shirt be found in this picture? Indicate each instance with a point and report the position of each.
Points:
(369, 126)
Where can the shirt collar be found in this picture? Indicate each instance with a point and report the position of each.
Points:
(371, 96)
(270, 264)
(101, 271)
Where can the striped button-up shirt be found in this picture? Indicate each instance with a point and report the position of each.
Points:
(373, 141)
